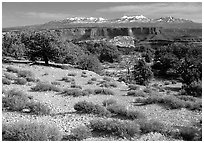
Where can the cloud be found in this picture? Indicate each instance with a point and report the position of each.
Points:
(177, 9)
(45, 15)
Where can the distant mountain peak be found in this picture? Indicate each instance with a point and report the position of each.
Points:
(170, 19)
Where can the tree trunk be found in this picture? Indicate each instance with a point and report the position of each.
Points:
(46, 60)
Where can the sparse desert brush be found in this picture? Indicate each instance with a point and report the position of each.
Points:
(45, 87)
(68, 79)
(94, 79)
(73, 92)
(132, 115)
(103, 91)
(75, 86)
(25, 73)
(30, 131)
(147, 126)
(12, 69)
(71, 74)
(31, 79)
(88, 91)
(188, 98)
(147, 90)
(133, 87)
(20, 81)
(10, 76)
(39, 108)
(107, 79)
(6, 81)
(109, 84)
(166, 83)
(137, 93)
(90, 82)
(117, 109)
(173, 82)
(91, 108)
(84, 75)
(108, 102)
(81, 132)
(55, 83)
(125, 129)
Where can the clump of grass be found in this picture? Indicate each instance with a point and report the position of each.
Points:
(12, 69)
(136, 93)
(20, 81)
(6, 81)
(55, 83)
(75, 86)
(45, 87)
(107, 79)
(103, 91)
(94, 79)
(25, 73)
(147, 126)
(109, 102)
(71, 74)
(81, 132)
(10, 76)
(133, 87)
(125, 129)
(90, 82)
(68, 79)
(16, 100)
(30, 131)
(90, 108)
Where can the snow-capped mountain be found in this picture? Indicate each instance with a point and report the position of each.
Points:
(137, 18)
(170, 19)
(86, 20)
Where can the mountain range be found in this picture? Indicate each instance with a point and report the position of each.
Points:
(124, 21)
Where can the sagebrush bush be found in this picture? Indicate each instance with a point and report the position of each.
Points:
(75, 86)
(75, 92)
(125, 129)
(45, 87)
(133, 87)
(91, 108)
(136, 93)
(30, 131)
(20, 81)
(103, 91)
(117, 109)
(55, 83)
(88, 91)
(31, 79)
(71, 74)
(193, 89)
(132, 115)
(107, 79)
(108, 84)
(12, 69)
(81, 132)
(89, 62)
(147, 126)
(10, 76)
(25, 73)
(108, 102)
(68, 79)
(94, 79)
(6, 81)
(39, 108)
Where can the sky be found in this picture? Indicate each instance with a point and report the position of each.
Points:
(30, 13)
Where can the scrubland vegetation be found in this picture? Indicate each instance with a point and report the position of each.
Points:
(165, 79)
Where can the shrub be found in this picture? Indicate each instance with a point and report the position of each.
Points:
(71, 74)
(87, 91)
(31, 79)
(187, 98)
(94, 79)
(89, 62)
(104, 91)
(73, 92)
(133, 87)
(108, 102)
(55, 83)
(132, 115)
(125, 129)
(75, 86)
(68, 79)
(81, 132)
(10, 76)
(136, 93)
(193, 89)
(108, 84)
(89, 107)
(30, 131)
(117, 109)
(107, 78)
(83, 72)
(12, 69)
(166, 83)
(142, 73)
(20, 81)
(45, 87)
(90, 82)
(147, 126)
(6, 81)
(84, 75)
(25, 73)
(39, 108)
